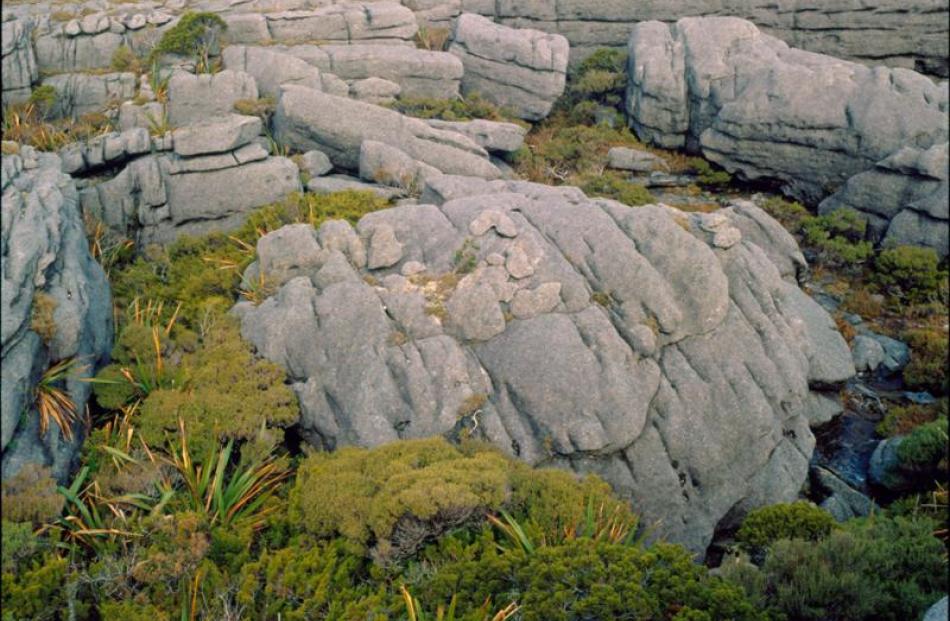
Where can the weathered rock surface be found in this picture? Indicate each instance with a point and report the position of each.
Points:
(107, 150)
(209, 177)
(905, 198)
(490, 135)
(308, 119)
(635, 160)
(272, 67)
(80, 93)
(19, 68)
(763, 110)
(522, 70)
(45, 253)
(937, 612)
(193, 98)
(603, 338)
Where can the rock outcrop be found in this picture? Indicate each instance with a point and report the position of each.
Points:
(308, 119)
(521, 70)
(19, 68)
(214, 175)
(760, 109)
(55, 307)
(81, 93)
(567, 331)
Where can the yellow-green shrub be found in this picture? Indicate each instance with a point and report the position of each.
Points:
(911, 273)
(797, 520)
(30, 496)
(927, 369)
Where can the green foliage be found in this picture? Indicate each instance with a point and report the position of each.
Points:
(311, 580)
(228, 394)
(37, 591)
(901, 420)
(585, 579)
(839, 236)
(124, 59)
(911, 273)
(44, 98)
(132, 611)
(797, 520)
(708, 176)
(616, 186)
(599, 81)
(927, 369)
(469, 108)
(925, 450)
(20, 545)
(878, 569)
(194, 36)
(396, 495)
(30, 496)
(204, 274)
(791, 214)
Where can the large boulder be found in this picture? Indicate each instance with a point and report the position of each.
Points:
(419, 73)
(209, 177)
(659, 349)
(81, 93)
(762, 110)
(55, 307)
(193, 98)
(522, 70)
(272, 67)
(308, 119)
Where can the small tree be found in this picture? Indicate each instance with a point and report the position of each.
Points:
(195, 35)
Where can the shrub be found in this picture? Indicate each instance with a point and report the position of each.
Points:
(839, 236)
(44, 98)
(124, 59)
(584, 580)
(36, 592)
(901, 420)
(20, 545)
(312, 580)
(132, 611)
(30, 495)
(791, 214)
(42, 320)
(878, 569)
(598, 81)
(194, 36)
(397, 495)
(925, 450)
(797, 520)
(706, 175)
(263, 107)
(468, 108)
(927, 369)
(615, 186)
(555, 153)
(910, 272)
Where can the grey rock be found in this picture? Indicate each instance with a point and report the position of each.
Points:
(524, 70)
(868, 354)
(635, 160)
(811, 122)
(45, 252)
(384, 249)
(490, 135)
(193, 98)
(287, 253)
(896, 353)
(338, 183)
(350, 22)
(272, 68)
(216, 135)
(691, 338)
(844, 502)
(375, 91)
(884, 469)
(418, 73)
(937, 612)
(80, 93)
(308, 119)
(18, 61)
(314, 163)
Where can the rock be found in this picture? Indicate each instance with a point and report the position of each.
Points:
(896, 353)
(350, 22)
(216, 135)
(375, 91)
(843, 501)
(937, 612)
(905, 198)
(808, 121)
(490, 135)
(272, 68)
(523, 70)
(689, 338)
(79, 93)
(287, 253)
(314, 163)
(308, 119)
(884, 469)
(45, 253)
(384, 249)
(19, 67)
(418, 73)
(193, 98)
(867, 353)
(386, 165)
(338, 183)
(623, 158)
(493, 219)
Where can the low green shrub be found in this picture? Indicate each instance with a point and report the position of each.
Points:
(124, 59)
(791, 214)
(37, 591)
(44, 98)
(797, 520)
(584, 579)
(901, 420)
(599, 81)
(927, 369)
(468, 108)
(839, 237)
(707, 175)
(616, 186)
(878, 568)
(925, 450)
(30, 496)
(194, 36)
(911, 273)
